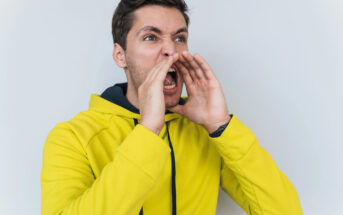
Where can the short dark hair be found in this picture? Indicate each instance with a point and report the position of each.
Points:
(122, 20)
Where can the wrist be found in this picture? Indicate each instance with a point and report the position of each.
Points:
(152, 128)
(214, 126)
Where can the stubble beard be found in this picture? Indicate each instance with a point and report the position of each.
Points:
(134, 71)
(172, 105)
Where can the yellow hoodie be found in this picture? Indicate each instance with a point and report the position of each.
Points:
(103, 162)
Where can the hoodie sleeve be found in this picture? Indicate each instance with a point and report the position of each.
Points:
(250, 176)
(68, 183)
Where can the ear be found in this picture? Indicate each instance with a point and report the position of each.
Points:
(119, 55)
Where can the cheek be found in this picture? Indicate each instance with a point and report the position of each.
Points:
(180, 49)
(147, 56)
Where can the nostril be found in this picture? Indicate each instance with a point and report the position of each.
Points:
(166, 54)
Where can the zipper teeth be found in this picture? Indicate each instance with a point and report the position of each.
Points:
(136, 122)
(172, 167)
(173, 172)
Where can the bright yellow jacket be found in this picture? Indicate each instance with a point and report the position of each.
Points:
(100, 163)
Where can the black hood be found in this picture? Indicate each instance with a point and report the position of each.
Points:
(116, 94)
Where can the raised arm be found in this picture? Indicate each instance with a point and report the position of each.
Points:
(250, 176)
(68, 185)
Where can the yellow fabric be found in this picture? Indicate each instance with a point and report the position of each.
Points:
(99, 163)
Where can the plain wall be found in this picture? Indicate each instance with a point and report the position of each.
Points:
(280, 64)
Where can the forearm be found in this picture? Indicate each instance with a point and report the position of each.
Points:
(259, 181)
(69, 187)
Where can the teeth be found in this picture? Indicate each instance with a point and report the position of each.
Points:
(170, 86)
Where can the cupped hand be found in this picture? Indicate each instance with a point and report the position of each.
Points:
(206, 102)
(151, 97)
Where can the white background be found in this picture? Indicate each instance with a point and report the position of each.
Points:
(280, 64)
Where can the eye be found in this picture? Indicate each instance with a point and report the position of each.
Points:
(150, 38)
(180, 39)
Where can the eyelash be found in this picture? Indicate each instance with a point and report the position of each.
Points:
(151, 35)
(183, 39)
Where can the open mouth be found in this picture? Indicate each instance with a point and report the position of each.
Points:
(171, 79)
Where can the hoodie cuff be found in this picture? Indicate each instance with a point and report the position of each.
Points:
(235, 141)
(146, 150)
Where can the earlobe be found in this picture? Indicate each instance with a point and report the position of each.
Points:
(119, 55)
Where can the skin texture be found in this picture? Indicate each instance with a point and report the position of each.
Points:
(156, 42)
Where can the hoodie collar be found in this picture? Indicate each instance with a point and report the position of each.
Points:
(117, 95)
(113, 100)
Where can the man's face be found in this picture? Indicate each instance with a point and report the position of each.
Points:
(157, 32)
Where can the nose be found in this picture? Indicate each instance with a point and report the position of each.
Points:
(168, 48)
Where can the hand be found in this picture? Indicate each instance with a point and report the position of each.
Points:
(206, 102)
(151, 96)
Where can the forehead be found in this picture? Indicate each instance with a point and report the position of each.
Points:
(167, 19)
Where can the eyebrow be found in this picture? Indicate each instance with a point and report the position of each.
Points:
(158, 31)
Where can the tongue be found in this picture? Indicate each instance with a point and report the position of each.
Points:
(168, 80)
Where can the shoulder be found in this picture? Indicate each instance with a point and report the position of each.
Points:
(80, 129)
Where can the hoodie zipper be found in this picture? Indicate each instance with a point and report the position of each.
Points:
(136, 122)
(172, 170)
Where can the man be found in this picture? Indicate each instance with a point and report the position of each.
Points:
(142, 149)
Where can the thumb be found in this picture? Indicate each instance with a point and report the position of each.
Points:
(177, 109)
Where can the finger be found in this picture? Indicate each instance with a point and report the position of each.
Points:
(177, 109)
(198, 71)
(165, 67)
(186, 64)
(156, 70)
(184, 61)
(161, 72)
(184, 72)
(186, 77)
(190, 71)
(204, 66)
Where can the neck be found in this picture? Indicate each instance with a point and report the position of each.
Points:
(131, 95)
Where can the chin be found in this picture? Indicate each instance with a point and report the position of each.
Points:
(172, 101)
